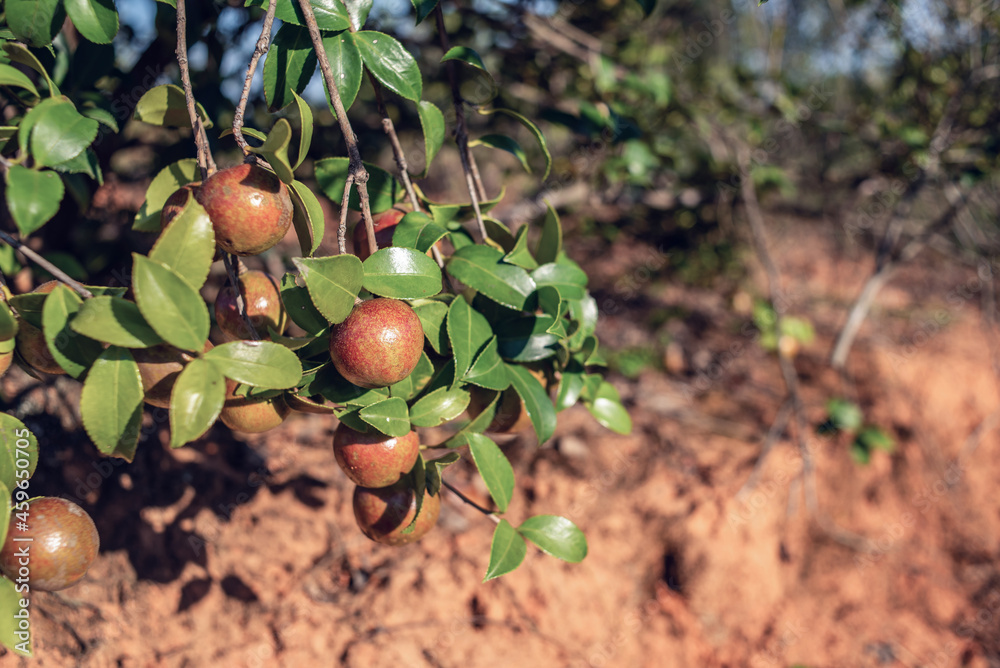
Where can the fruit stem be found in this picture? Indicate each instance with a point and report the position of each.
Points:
(205, 161)
(232, 262)
(46, 265)
(463, 497)
(261, 48)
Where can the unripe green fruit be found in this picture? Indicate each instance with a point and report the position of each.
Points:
(63, 545)
(383, 513)
(379, 344)
(252, 416)
(176, 202)
(373, 459)
(385, 226)
(31, 341)
(263, 304)
(159, 367)
(249, 207)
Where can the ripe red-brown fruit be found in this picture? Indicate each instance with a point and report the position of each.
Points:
(378, 344)
(250, 415)
(373, 459)
(175, 203)
(31, 341)
(64, 544)
(263, 303)
(249, 207)
(383, 513)
(159, 367)
(385, 226)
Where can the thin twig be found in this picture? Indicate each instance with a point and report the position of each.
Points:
(205, 162)
(773, 434)
(261, 48)
(232, 263)
(46, 265)
(463, 497)
(397, 148)
(342, 229)
(461, 134)
(356, 167)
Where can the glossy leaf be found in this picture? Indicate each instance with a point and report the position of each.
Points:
(523, 120)
(432, 316)
(440, 406)
(433, 126)
(500, 235)
(413, 384)
(489, 370)
(330, 14)
(446, 213)
(494, 468)
(536, 401)
(402, 273)
(333, 283)
(519, 253)
(59, 132)
(86, 163)
(36, 22)
(358, 11)
(570, 385)
(477, 425)
(195, 402)
(570, 281)
(584, 314)
(434, 468)
(10, 600)
(606, 407)
(299, 306)
(391, 63)
(111, 403)
(8, 323)
(115, 321)
(550, 244)
(527, 339)
(424, 8)
(303, 405)
(263, 364)
(506, 552)
(389, 416)
(383, 189)
(32, 197)
(71, 351)
(483, 269)
(417, 230)
(465, 55)
(345, 62)
(169, 304)
(11, 76)
(305, 130)
(166, 105)
(308, 218)
(187, 245)
(504, 143)
(19, 53)
(97, 20)
(290, 64)
(335, 388)
(468, 333)
(19, 450)
(164, 184)
(275, 150)
(556, 536)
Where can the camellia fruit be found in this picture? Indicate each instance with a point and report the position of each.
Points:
(373, 459)
(249, 207)
(263, 306)
(159, 367)
(385, 226)
(62, 544)
(31, 341)
(379, 343)
(252, 415)
(383, 513)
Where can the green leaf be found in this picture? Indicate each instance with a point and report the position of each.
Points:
(299, 306)
(504, 143)
(275, 150)
(468, 332)
(417, 230)
(54, 131)
(8, 323)
(844, 415)
(556, 536)
(383, 189)
(402, 273)
(875, 438)
(19, 452)
(5, 502)
(389, 416)
(434, 468)
(533, 129)
(606, 407)
(527, 339)
(489, 370)
(584, 314)
(482, 268)
(170, 305)
(71, 351)
(308, 218)
(358, 11)
(116, 321)
(330, 14)
(391, 63)
(166, 105)
(536, 401)
(164, 184)
(333, 283)
(84, 163)
(494, 468)
(440, 406)
(32, 197)
(424, 8)
(111, 403)
(305, 130)
(519, 254)
(290, 64)
(433, 126)
(36, 22)
(477, 425)
(11, 636)
(97, 20)
(345, 62)
(11, 76)
(19, 53)
(195, 402)
(507, 551)
(500, 235)
(551, 303)
(550, 244)
(447, 213)
(334, 387)
(187, 245)
(464, 54)
(570, 281)
(432, 316)
(413, 384)
(263, 364)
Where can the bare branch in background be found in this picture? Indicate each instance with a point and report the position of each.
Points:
(262, 45)
(60, 275)
(205, 161)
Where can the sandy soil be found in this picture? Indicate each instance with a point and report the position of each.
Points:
(243, 552)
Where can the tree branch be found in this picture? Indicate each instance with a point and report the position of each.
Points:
(261, 48)
(46, 265)
(463, 497)
(205, 162)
